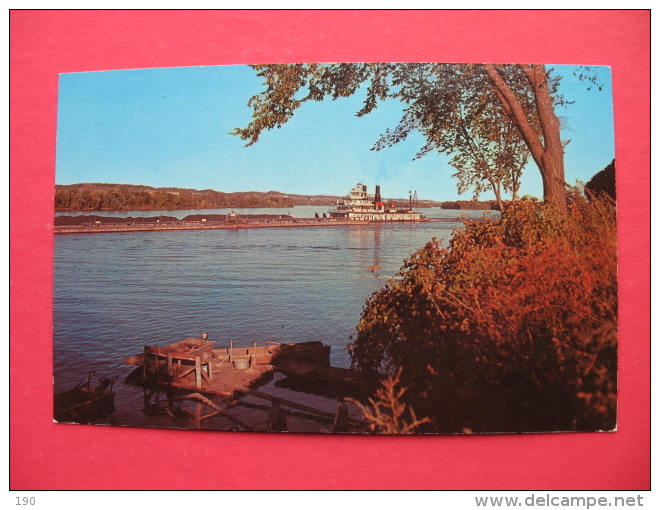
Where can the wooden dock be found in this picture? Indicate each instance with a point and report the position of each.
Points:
(198, 371)
(226, 380)
(194, 365)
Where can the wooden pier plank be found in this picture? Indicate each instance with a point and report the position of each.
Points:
(224, 381)
(295, 405)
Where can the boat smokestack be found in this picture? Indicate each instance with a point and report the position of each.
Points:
(377, 198)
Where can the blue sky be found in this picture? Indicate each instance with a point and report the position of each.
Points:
(170, 128)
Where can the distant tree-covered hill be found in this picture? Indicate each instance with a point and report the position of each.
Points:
(472, 205)
(97, 196)
(118, 197)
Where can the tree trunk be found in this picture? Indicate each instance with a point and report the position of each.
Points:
(554, 191)
(498, 194)
(547, 152)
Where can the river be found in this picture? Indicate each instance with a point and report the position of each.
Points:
(116, 292)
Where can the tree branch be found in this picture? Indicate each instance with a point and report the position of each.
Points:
(511, 103)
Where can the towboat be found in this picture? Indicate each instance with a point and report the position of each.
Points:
(359, 205)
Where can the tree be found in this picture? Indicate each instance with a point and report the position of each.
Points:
(487, 149)
(546, 147)
(482, 113)
(604, 181)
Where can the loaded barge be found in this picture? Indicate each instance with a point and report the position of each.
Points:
(113, 225)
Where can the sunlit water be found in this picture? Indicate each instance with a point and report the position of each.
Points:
(116, 292)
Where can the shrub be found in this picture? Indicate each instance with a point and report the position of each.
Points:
(386, 412)
(513, 327)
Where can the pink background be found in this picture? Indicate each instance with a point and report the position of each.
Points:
(49, 456)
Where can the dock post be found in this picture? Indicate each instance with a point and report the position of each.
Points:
(231, 348)
(144, 364)
(198, 371)
(253, 360)
(209, 364)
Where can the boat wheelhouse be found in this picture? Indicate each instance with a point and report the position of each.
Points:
(359, 205)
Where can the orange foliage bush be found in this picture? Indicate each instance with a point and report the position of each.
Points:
(513, 327)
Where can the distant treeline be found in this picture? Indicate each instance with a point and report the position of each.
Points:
(472, 205)
(96, 197)
(92, 220)
(122, 197)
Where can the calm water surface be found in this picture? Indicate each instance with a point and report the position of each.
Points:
(116, 292)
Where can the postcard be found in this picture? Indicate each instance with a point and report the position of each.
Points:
(346, 248)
